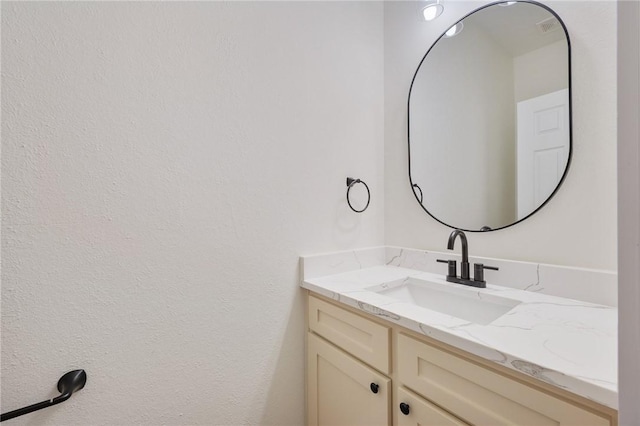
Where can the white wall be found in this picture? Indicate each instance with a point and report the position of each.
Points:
(475, 193)
(629, 210)
(578, 226)
(534, 77)
(163, 167)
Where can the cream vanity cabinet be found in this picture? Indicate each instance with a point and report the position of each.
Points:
(364, 371)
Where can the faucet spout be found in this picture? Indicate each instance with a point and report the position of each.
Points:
(465, 251)
(463, 239)
(464, 278)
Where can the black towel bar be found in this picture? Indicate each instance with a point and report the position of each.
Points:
(68, 384)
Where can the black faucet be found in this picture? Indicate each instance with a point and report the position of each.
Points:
(464, 278)
(464, 265)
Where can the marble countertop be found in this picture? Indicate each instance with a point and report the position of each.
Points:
(567, 343)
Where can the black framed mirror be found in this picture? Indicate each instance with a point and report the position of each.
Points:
(489, 123)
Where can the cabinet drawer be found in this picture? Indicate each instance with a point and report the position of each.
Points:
(343, 391)
(366, 340)
(479, 395)
(422, 412)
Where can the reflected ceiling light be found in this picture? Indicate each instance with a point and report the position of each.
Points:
(432, 10)
(455, 30)
(507, 3)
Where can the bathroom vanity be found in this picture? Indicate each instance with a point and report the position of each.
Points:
(378, 353)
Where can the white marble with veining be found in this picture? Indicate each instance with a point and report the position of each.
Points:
(589, 285)
(335, 263)
(568, 343)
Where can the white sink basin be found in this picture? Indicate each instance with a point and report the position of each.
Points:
(466, 303)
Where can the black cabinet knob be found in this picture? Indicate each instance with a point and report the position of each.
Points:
(404, 407)
(374, 387)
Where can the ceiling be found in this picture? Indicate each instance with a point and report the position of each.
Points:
(514, 27)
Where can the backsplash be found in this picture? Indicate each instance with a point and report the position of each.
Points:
(589, 285)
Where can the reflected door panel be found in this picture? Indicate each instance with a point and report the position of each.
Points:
(543, 148)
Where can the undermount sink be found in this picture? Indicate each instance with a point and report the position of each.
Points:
(450, 299)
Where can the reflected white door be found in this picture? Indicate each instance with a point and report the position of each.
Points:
(543, 148)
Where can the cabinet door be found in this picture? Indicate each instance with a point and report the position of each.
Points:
(342, 390)
(420, 412)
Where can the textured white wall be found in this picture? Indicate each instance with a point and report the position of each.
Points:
(578, 226)
(163, 167)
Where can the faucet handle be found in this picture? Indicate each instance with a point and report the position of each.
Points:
(452, 271)
(478, 271)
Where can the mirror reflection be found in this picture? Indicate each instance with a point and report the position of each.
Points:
(489, 117)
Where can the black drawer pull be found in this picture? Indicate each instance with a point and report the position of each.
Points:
(404, 407)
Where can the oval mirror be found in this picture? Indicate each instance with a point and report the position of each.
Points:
(490, 117)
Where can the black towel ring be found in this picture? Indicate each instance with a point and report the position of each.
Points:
(415, 186)
(351, 182)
